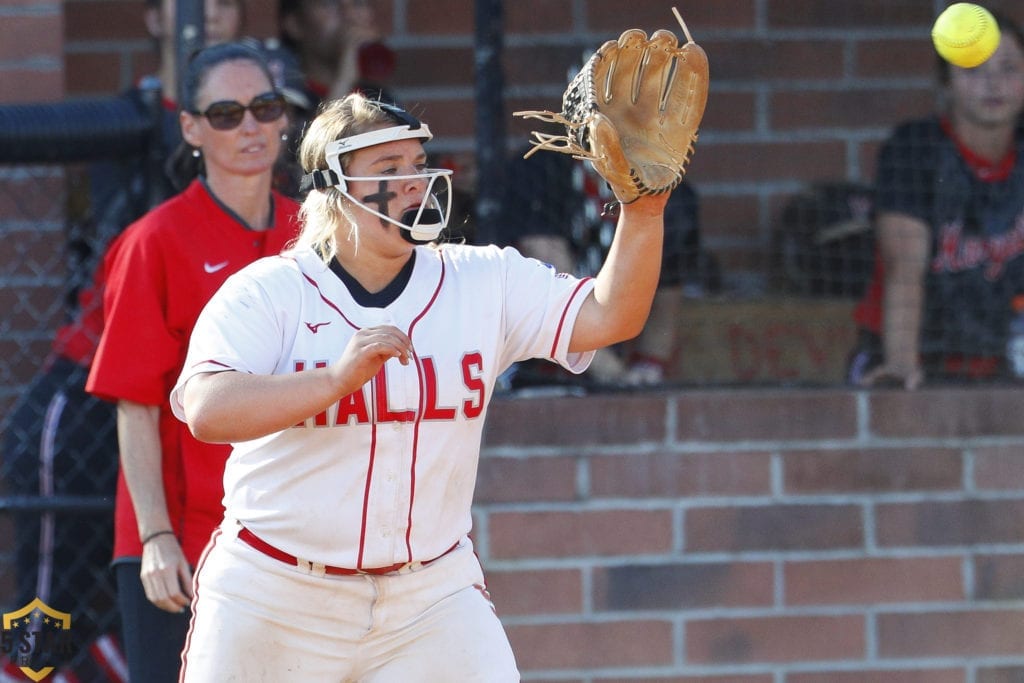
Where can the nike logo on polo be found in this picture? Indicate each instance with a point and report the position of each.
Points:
(313, 327)
(214, 267)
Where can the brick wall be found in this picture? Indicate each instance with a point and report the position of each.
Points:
(758, 536)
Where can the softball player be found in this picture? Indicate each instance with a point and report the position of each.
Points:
(352, 375)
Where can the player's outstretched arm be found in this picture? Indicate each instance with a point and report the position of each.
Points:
(230, 406)
(904, 246)
(618, 307)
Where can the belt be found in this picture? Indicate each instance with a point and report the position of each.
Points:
(259, 544)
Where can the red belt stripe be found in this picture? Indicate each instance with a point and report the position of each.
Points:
(259, 544)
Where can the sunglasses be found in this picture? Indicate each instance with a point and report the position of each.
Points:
(227, 114)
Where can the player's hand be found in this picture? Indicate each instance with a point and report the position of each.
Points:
(908, 376)
(367, 351)
(166, 575)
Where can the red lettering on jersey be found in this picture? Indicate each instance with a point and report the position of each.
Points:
(384, 413)
(431, 411)
(472, 366)
(353, 405)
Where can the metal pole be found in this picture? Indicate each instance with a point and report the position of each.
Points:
(490, 110)
(190, 33)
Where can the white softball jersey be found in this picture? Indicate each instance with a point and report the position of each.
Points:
(386, 475)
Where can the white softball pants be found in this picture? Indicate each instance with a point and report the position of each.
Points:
(257, 619)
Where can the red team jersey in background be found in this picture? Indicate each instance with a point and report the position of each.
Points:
(159, 274)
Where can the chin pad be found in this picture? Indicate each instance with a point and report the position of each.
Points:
(429, 227)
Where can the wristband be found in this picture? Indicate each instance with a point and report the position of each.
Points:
(153, 535)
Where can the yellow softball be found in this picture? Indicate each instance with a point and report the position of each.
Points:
(965, 34)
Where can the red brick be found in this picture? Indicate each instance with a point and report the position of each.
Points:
(897, 469)
(604, 420)
(650, 16)
(526, 479)
(998, 468)
(30, 309)
(767, 60)
(873, 580)
(974, 633)
(1000, 674)
(774, 639)
(874, 676)
(36, 36)
(142, 64)
(537, 64)
(683, 586)
(730, 112)
(743, 415)
(438, 66)
(34, 194)
(847, 108)
(643, 475)
(819, 14)
(94, 73)
(540, 591)
(999, 577)
(565, 534)
(26, 85)
(773, 527)
(105, 20)
(446, 117)
(888, 58)
(947, 412)
(35, 256)
(261, 17)
(729, 216)
(755, 161)
(593, 645)
(23, 358)
(440, 17)
(947, 523)
(536, 17)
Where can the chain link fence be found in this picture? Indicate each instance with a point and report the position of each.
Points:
(58, 450)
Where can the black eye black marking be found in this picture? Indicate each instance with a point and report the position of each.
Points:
(381, 199)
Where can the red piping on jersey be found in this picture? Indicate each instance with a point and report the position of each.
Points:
(422, 409)
(369, 471)
(984, 169)
(196, 587)
(565, 312)
(329, 302)
(210, 361)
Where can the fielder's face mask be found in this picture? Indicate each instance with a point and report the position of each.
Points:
(420, 225)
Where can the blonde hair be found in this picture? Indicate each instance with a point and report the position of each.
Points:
(323, 211)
